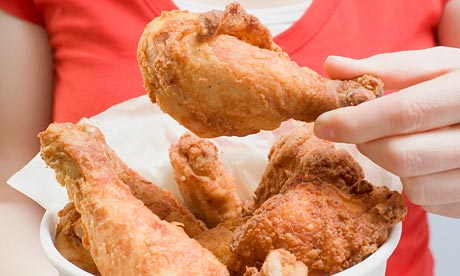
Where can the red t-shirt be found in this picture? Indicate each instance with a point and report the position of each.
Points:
(95, 43)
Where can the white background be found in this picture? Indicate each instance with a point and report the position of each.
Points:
(445, 244)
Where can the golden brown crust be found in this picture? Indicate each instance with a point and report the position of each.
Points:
(207, 188)
(313, 201)
(326, 228)
(220, 73)
(124, 236)
(160, 201)
(218, 241)
(235, 21)
(318, 209)
(279, 262)
(68, 240)
(300, 156)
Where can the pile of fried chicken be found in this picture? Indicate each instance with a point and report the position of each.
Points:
(312, 210)
(220, 73)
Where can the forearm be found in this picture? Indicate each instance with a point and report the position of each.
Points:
(449, 25)
(26, 92)
(26, 85)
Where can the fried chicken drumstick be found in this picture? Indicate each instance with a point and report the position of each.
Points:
(124, 237)
(220, 74)
(160, 201)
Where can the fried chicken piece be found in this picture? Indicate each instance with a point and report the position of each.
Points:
(220, 73)
(279, 262)
(206, 186)
(123, 235)
(201, 174)
(299, 154)
(317, 206)
(218, 241)
(160, 201)
(209, 192)
(68, 240)
(326, 228)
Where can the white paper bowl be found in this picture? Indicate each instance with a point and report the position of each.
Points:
(374, 265)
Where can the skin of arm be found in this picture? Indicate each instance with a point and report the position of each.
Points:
(449, 26)
(26, 97)
(414, 133)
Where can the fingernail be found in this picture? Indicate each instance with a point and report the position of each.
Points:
(322, 131)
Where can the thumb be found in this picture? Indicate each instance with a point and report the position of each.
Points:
(397, 70)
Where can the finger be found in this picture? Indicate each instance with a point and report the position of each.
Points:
(421, 107)
(449, 210)
(416, 154)
(433, 189)
(399, 69)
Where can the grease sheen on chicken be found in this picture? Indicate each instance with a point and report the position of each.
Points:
(219, 73)
(124, 237)
(314, 202)
(313, 210)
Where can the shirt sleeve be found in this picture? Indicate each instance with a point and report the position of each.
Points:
(23, 9)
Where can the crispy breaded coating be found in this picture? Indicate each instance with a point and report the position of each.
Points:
(123, 235)
(219, 239)
(206, 186)
(299, 154)
(279, 262)
(220, 73)
(160, 201)
(68, 239)
(313, 201)
(327, 228)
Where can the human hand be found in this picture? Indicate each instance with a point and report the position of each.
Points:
(414, 133)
